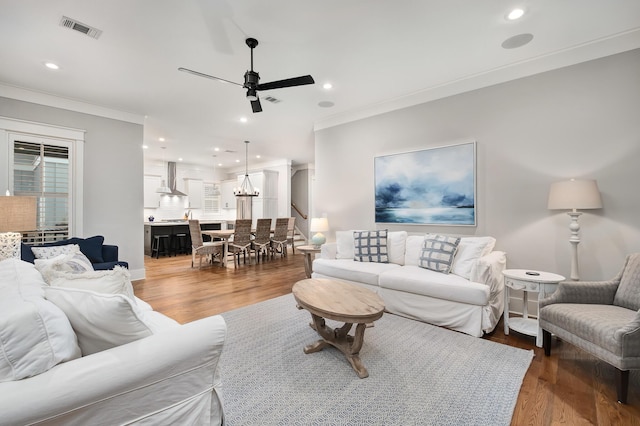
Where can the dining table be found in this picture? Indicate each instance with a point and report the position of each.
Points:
(224, 235)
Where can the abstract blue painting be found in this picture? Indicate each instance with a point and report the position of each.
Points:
(433, 186)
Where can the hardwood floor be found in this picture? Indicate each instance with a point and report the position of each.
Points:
(569, 387)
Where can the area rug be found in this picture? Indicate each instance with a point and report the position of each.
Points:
(418, 374)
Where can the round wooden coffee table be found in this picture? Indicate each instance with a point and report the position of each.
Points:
(343, 302)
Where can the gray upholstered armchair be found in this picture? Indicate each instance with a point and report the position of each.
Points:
(602, 318)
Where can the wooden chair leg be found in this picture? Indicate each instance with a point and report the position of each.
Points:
(546, 342)
(622, 385)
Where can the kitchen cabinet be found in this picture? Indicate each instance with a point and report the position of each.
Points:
(227, 199)
(151, 197)
(173, 228)
(195, 190)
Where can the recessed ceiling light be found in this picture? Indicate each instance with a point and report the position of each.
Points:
(145, 146)
(237, 161)
(243, 119)
(51, 65)
(161, 139)
(180, 159)
(327, 86)
(219, 164)
(515, 14)
(257, 156)
(216, 149)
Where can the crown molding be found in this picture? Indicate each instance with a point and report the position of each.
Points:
(46, 99)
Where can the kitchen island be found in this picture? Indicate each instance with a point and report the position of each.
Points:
(173, 227)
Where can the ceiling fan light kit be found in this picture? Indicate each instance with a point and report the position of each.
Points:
(252, 79)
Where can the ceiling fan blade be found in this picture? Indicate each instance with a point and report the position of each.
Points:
(289, 82)
(255, 106)
(199, 74)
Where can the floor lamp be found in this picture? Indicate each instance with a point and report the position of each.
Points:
(574, 195)
(16, 214)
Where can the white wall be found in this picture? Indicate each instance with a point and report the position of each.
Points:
(581, 121)
(113, 169)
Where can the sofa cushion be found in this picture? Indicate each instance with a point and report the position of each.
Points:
(470, 249)
(103, 321)
(413, 249)
(348, 269)
(49, 252)
(628, 293)
(91, 247)
(396, 242)
(425, 282)
(344, 241)
(115, 281)
(370, 246)
(438, 252)
(35, 335)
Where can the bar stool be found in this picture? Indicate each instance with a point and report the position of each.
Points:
(160, 246)
(179, 244)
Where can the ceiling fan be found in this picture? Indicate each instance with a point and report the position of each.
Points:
(252, 78)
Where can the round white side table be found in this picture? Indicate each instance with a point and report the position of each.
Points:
(543, 283)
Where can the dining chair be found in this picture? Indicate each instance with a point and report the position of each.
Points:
(210, 249)
(280, 237)
(291, 233)
(241, 242)
(262, 240)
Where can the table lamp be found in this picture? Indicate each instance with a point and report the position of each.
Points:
(574, 195)
(16, 214)
(319, 225)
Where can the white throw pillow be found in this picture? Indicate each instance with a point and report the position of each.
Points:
(413, 249)
(53, 251)
(35, 335)
(102, 321)
(471, 249)
(115, 281)
(396, 242)
(74, 262)
(344, 242)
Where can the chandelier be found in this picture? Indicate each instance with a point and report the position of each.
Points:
(246, 189)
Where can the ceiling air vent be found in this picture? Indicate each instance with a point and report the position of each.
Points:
(85, 29)
(272, 99)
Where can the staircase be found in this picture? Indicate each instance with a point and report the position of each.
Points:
(298, 239)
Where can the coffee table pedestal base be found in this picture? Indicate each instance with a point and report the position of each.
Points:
(340, 339)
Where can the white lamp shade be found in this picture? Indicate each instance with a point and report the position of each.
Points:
(319, 224)
(574, 194)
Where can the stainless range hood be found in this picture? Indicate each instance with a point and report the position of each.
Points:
(171, 176)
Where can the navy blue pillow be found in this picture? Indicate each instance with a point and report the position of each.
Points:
(90, 247)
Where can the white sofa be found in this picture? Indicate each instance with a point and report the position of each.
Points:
(167, 373)
(470, 299)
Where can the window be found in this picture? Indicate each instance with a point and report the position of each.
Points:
(41, 169)
(211, 198)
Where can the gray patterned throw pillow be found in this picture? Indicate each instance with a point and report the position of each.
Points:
(370, 246)
(438, 252)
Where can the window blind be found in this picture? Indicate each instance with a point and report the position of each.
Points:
(41, 170)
